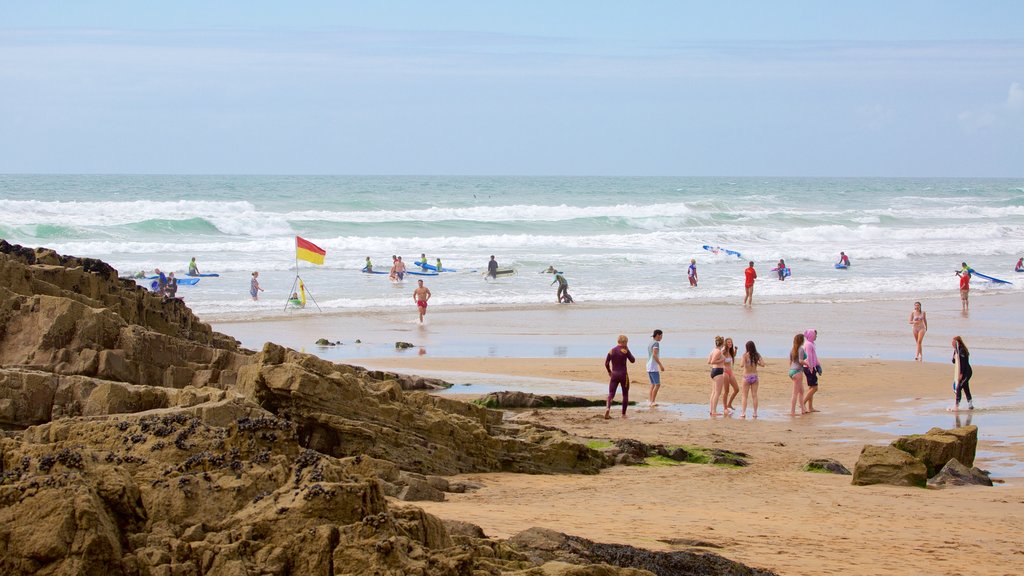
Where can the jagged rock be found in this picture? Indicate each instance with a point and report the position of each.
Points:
(888, 465)
(677, 454)
(546, 545)
(515, 399)
(324, 342)
(937, 446)
(727, 457)
(826, 465)
(403, 345)
(956, 474)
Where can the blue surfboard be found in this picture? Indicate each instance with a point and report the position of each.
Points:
(717, 250)
(980, 275)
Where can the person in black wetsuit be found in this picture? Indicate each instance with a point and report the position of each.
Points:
(962, 373)
(615, 364)
(492, 268)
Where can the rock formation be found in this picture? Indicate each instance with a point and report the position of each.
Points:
(937, 447)
(141, 442)
(911, 460)
(888, 465)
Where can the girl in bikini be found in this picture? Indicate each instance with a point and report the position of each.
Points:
(729, 352)
(796, 373)
(717, 361)
(919, 321)
(751, 360)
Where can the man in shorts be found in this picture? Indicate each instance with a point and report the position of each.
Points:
(420, 295)
(654, 367)
(965, 287)
(750, 275)
(399, 269)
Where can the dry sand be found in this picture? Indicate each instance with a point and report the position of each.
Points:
(770, 514)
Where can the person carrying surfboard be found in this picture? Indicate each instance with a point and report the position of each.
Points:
(781, 270)
(492, 268)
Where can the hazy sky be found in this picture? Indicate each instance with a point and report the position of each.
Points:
(740, 88)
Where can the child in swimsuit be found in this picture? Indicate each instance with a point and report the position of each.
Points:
(729, 353)
(751, 360)
(796, 373)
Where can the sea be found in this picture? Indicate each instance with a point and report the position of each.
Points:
(616, 239)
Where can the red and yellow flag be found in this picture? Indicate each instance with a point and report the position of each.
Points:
(306, 250)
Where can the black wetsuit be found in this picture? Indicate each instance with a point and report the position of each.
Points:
(492, 268)
(964, 384)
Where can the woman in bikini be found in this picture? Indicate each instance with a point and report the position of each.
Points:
(919, 321)
(796, 374)
(732, 388)
(717, 361)
(751, 360)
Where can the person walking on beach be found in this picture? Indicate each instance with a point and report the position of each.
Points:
(654, 367)
(193, 268)
(492, 268)
(717, 362)
(965, 286)
(796, 374)
(420, 295)
(731, 387)
(562, 297)
(691, 272)
(749, 276)
(751, 360)
(812, 369)
(615, 364)
(962, 373)
(919, 321)
(254, 286)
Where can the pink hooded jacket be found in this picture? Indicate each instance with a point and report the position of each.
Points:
(809, 349)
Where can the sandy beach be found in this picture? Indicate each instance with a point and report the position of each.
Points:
(771, 514)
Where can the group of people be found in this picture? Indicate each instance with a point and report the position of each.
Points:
(961, 355)
(166, 285)
(724, 385)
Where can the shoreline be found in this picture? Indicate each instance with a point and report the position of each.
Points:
(871, 329)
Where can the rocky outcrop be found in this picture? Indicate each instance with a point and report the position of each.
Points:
(956, 474)
(888, 465)
(516, 399)
(826, 466)
(937, 447)
(146, 443)
(547, 545)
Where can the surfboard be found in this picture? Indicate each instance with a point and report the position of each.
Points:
(980, 275)
(841, 266)
(365, 271)
(202, 276)
(718, 249)
(501, 273)
(421, 273)
(786, 272)
(434, 268)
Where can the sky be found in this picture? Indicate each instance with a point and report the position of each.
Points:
(575, 87)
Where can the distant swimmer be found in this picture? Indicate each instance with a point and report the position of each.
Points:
(140, 274)
(294, 300)
(844, 259)
(369, 265)
(749, 276)
(254, 286)
(492, 268)
(1020, 266)
(193, 269)
(420, 295)
(691, 272)
(399, 269)
(551, 270)
(438, 265)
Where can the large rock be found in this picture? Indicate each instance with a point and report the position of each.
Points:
(888, 465)
(938, 446)
(956, 474)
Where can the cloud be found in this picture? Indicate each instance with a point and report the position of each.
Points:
(992, 116)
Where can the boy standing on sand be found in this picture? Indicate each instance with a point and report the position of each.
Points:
(750, 275)
(965, 286)
(420, 295)
(654, 367)
(691, 272)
